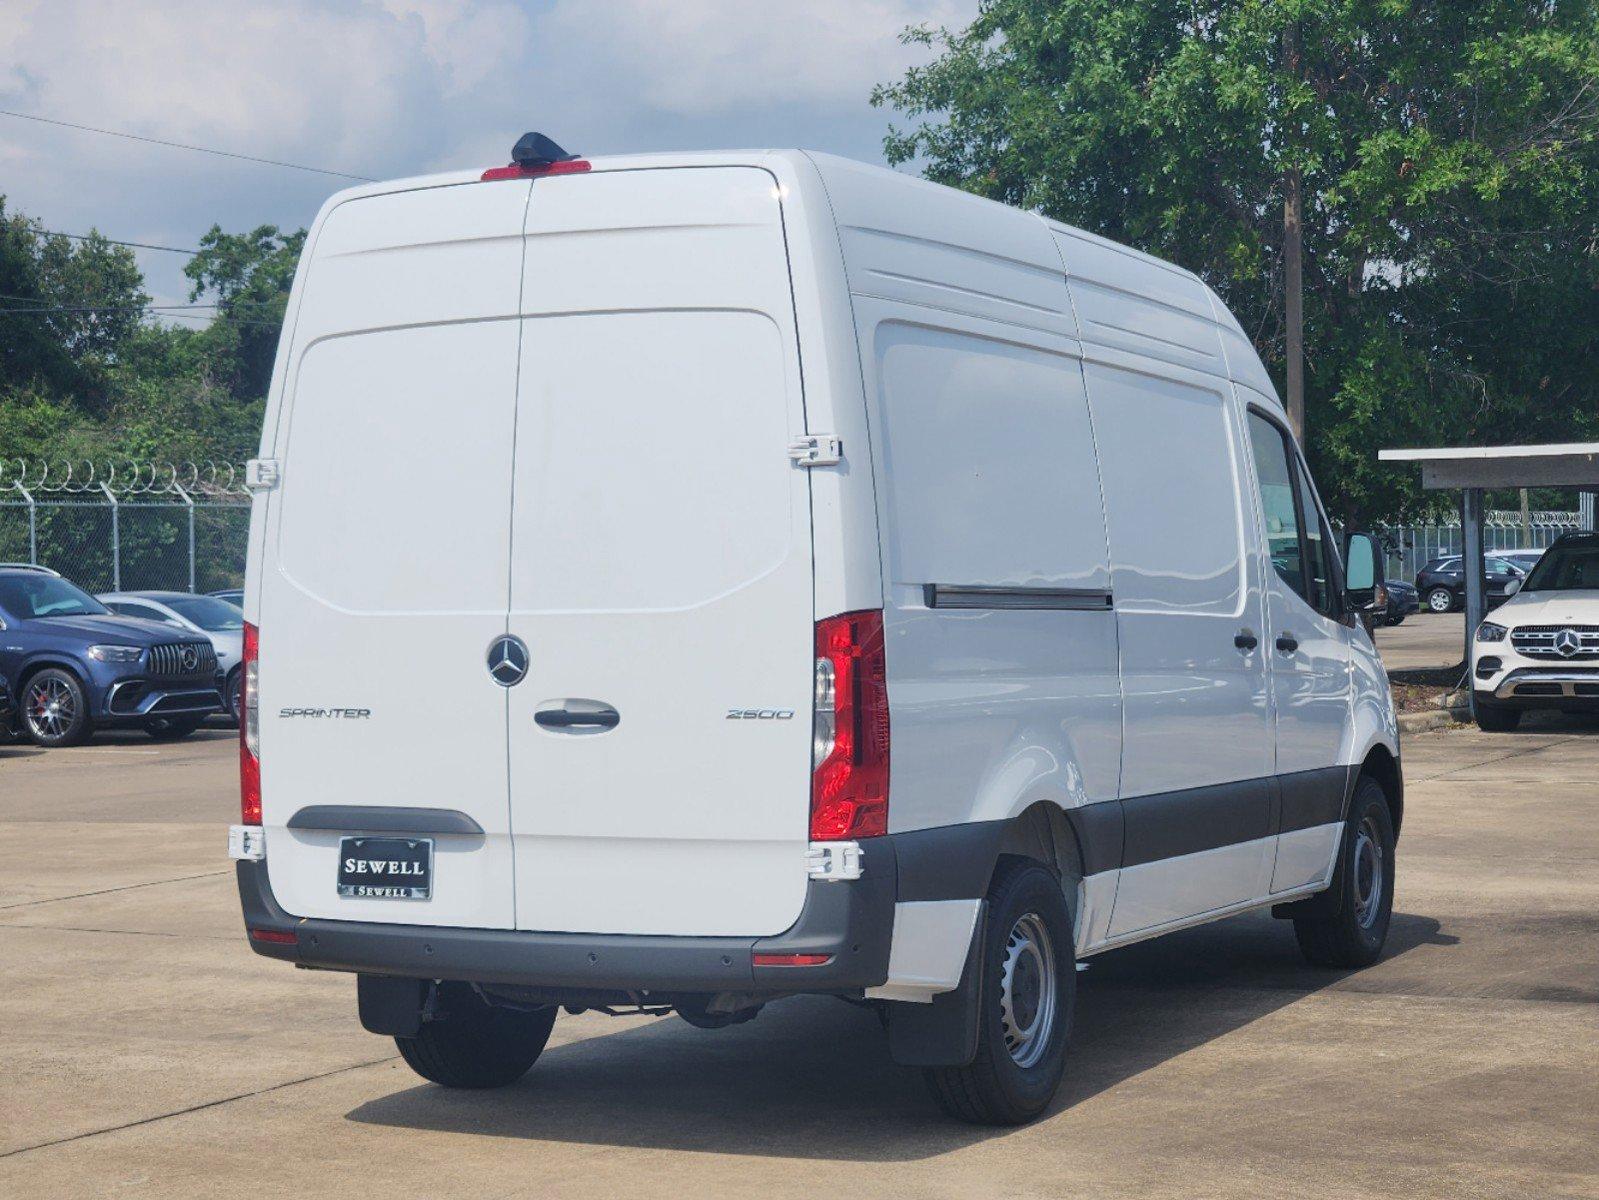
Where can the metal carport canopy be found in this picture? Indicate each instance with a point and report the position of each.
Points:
(1474, 469)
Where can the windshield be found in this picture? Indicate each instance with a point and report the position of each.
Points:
(1566, 569)
(27, 596)
(209, 613)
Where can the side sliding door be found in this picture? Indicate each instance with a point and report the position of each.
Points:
(1197, 743)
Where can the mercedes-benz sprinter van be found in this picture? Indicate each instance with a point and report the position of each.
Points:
(686, 581)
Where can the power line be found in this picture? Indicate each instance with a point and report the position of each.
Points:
(89, 237)
(271, 162)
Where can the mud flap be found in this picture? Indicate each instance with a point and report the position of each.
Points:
(943, 1033)
(390, 1006)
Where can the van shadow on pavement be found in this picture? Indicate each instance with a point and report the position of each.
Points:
(811, 1077)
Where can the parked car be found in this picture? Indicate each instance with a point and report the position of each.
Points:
(76, 666)
(1403, 599)
(234, 596)
(1442, 582)
(1524, 560)
(1541, 649)
(221, 622)
(622, 739)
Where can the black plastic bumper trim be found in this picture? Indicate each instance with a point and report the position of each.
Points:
(852, 921)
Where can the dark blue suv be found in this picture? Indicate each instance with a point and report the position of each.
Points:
(75, 666)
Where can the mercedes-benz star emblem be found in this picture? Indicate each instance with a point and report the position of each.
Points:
(507, 660)
(191, 658)
(1568, 642)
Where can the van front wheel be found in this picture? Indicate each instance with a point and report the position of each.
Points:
(1029, 992)
(1353, 933)
(469, 1043)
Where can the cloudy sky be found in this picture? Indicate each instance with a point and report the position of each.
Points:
(385, 88)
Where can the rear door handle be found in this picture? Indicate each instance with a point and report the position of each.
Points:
(1245, 639)
(568, 718)
(1287, 643)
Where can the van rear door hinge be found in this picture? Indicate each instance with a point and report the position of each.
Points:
(817, 450)
(261, 474)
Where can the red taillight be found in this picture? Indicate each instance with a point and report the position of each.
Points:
(517, 171)
(283, 937)
(790, 960)
(250, 730)
(849, 784)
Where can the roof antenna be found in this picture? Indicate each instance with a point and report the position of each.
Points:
(536, 150)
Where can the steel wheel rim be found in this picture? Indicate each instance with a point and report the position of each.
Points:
(1028, 991)
(1369, 874)
(51, 707)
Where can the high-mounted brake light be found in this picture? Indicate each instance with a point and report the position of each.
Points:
(849, 782)
(250, 729)
(534, 155)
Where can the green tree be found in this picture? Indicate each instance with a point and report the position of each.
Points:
(250, 275)
(1446, 153)
(67, 310)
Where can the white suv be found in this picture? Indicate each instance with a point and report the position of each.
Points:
(1540, 649)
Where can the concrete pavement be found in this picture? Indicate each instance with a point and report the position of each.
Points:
(147, 1052)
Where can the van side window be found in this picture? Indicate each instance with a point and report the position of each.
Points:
(1318, 561)
(1301, 549)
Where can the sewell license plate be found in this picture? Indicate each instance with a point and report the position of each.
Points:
(386, 868)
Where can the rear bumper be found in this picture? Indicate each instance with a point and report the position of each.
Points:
(852, 921)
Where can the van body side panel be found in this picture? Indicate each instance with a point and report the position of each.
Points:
(660, 561)
(367, 658)
(1006, 698)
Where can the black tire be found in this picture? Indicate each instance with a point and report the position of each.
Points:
(1013, 1079)
(1493, 718)
(1441, 599)
(1352, 935)
(55, 711)
(471, 1044)
(232, 691)
(1399, 620)
(172, 729)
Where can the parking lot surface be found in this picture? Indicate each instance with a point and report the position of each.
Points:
(147, 1052)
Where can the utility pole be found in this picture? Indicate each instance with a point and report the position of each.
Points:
(1293, 264)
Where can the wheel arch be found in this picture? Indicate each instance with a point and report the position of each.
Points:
(48, 662)
(1382, 765)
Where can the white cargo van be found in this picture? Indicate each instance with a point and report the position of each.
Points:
(680, 582)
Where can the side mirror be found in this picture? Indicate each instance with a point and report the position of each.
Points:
(1363, 578)
(1513, 586)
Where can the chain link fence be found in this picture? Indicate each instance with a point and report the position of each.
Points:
(1411, 547)
(128, 526)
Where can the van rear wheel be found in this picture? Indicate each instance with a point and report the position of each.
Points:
(1029, 993)
(469, 1043)
(1353, 933)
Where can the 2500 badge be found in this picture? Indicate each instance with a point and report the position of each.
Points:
(760, 714)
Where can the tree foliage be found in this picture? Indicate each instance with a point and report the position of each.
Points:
(85, 372)
(1449, 151)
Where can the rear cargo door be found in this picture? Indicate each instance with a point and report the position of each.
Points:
(660, 561)
(385, 566)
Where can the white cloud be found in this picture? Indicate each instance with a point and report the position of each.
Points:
(398, 87)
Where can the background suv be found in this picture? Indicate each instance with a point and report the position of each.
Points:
(1442, 583)
(74, 665)
(1541, 649)
(217, 620)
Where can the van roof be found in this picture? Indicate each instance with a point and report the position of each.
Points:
(885, 198)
